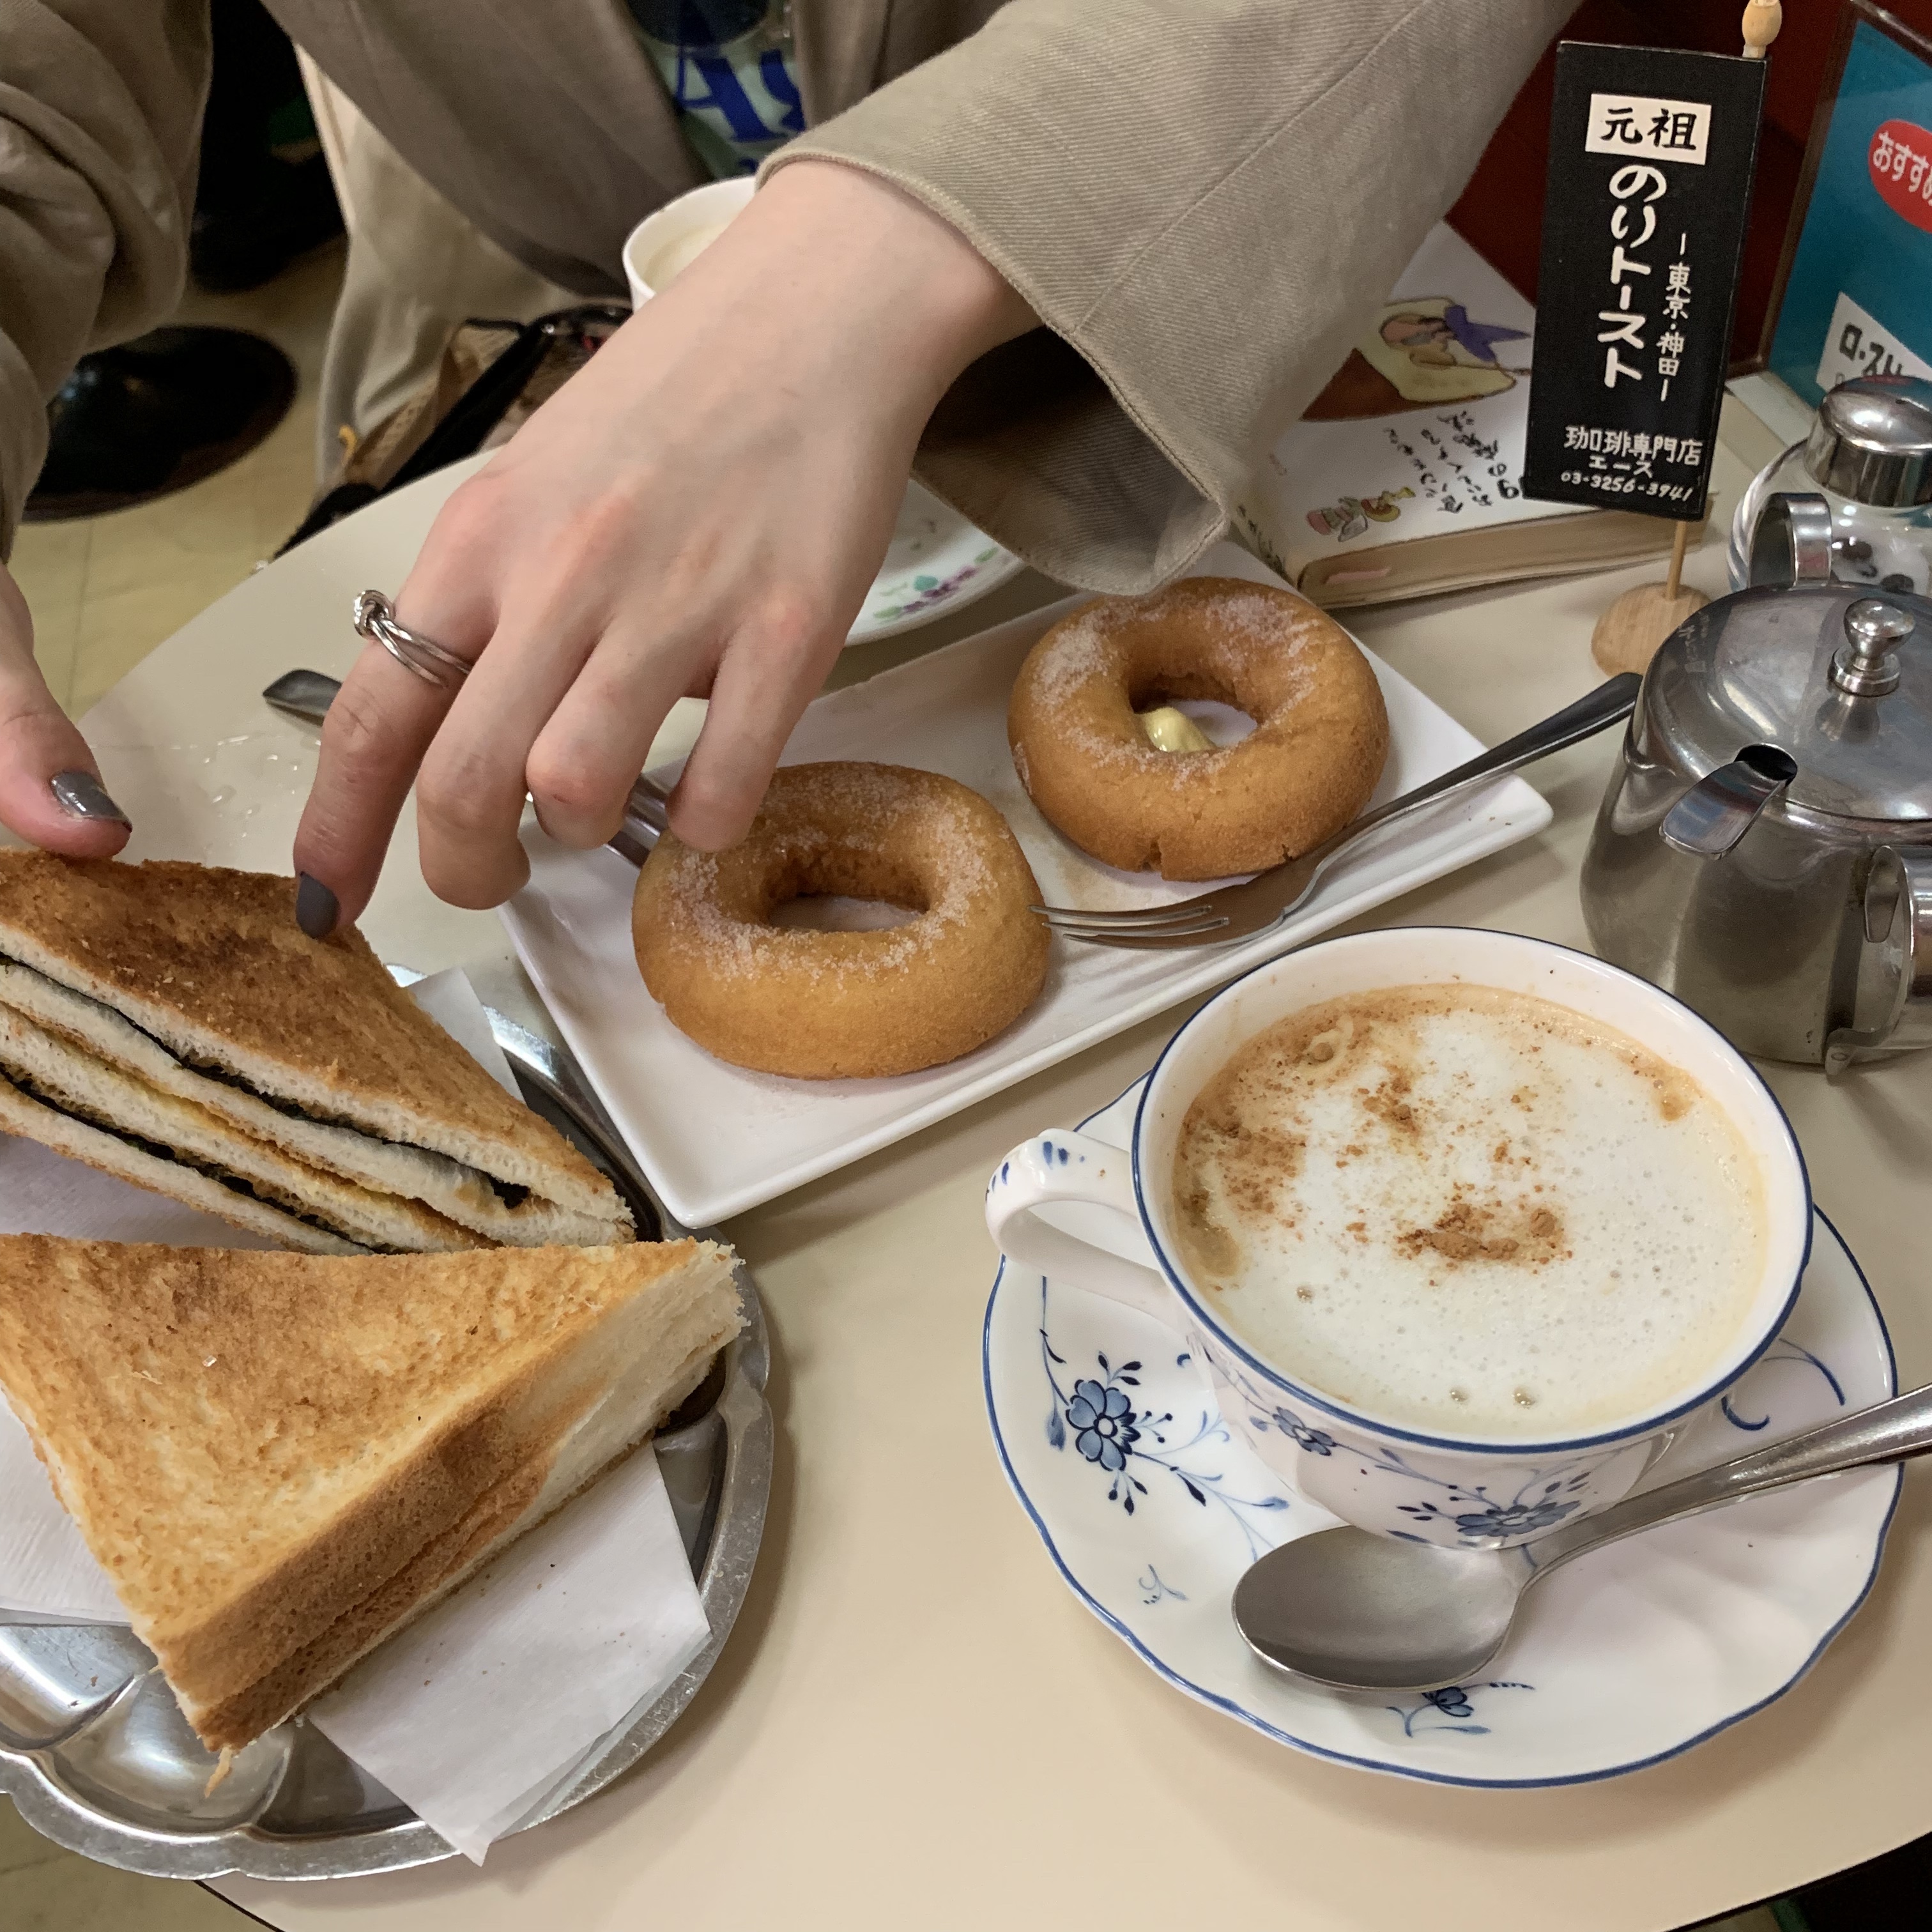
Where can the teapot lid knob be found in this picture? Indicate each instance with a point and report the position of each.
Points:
(1865, 664)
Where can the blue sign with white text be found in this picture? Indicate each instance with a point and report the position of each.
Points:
(1859, 299)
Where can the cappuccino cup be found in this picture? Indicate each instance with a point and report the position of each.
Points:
(1464, 1226)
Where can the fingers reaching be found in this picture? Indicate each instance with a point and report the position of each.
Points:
(384, 719)
(585, 760)
(699, 509)
(766, 679)
(379, 726)
(469, 801)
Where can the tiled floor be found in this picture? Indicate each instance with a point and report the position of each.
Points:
(106, 590)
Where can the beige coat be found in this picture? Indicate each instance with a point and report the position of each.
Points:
(1201, 199)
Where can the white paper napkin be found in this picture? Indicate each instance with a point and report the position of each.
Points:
(450, 1001)
(478, 1712)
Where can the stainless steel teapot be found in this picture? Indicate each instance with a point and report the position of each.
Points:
(1764, 849)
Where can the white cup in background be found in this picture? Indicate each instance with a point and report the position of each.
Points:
(663, 245)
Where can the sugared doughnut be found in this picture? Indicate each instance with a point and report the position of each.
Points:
(1320, 736)
(825, 1006)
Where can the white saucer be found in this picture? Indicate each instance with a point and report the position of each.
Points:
(936, 562)
(1626, 1657)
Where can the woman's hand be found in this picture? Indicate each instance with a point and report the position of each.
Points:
(50, 789)
(701, 511)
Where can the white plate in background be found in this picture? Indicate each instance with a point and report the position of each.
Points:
(936, 562)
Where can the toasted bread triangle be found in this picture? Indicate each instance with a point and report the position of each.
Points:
(211, 964)
(279, 1458)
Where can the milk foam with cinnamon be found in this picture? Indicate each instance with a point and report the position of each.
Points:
(1470, 1210)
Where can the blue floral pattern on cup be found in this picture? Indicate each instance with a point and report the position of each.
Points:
(1311, 1442)
(1492, 1524)
(1099, 1417)
(1424, 1499)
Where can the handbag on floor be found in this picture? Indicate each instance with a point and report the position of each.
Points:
(493, 376)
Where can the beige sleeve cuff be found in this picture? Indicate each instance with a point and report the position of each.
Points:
(23, 440)
(1202, 199)
(101, 107)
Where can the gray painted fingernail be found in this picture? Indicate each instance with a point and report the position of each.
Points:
(82, 795)
(316, 910)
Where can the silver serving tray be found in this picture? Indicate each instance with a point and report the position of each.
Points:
(95, 1752)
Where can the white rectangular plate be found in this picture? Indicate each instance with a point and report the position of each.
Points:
(716, 1140)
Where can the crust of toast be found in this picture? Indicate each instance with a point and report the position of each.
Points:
(278, 1459)
(212, 964)
(446, 1564)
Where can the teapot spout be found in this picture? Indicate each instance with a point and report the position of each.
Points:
(1710, 819)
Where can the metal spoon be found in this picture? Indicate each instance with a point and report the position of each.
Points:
(1362, 1611)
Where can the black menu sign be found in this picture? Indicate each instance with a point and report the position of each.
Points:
(1650, 154)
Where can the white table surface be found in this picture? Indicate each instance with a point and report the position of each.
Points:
(915, 1723)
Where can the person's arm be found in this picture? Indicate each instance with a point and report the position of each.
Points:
(99, 113)
(700, 510)
(1201, 199)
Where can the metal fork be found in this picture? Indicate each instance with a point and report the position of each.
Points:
(1236, 912)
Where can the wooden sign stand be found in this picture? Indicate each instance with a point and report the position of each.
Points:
(1628, 633)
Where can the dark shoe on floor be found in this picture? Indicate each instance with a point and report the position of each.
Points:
(154, 415)
(264, 196)
(245, 238)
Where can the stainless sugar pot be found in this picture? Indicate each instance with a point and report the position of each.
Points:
(1764, 850)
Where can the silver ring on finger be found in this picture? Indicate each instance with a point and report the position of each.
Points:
(375, 618)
